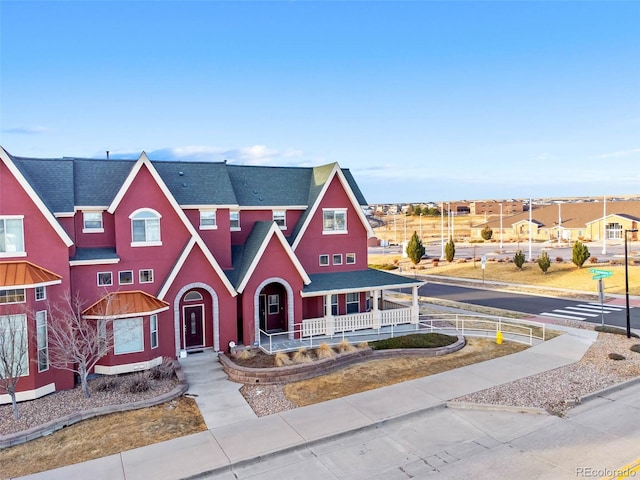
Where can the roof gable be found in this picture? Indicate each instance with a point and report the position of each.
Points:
(254, 249)
(28, 188)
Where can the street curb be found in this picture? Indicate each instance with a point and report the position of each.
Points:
(608, 390)
(25, 436)
(497, 408)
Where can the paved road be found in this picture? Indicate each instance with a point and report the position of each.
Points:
(597, 439)
(534, 304)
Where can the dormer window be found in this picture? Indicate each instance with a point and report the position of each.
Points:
(12, 236)
(145, 228)
(92, 222)
(234, 220)
(208, 220)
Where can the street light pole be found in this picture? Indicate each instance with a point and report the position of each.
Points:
(626, 279)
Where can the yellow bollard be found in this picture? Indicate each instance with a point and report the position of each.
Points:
(499, 337)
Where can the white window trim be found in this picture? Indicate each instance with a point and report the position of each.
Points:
(335, 232)
(284, 215)
(104, 284)
(215, 219)
(352, 302)
(320, 260)
(44, 293)
(333, 258)
(239, 227)
(138, 326)
(86, 229)
(146, 243)
(146, 270)
(46, 341)
(125, 271)
(350, 255)
(153, 330)
(23, 253)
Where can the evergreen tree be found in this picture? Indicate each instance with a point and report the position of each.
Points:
(580, 254)
(486, 233)
(544, 262)
(518, 259)
(415, 249)
(450, 250)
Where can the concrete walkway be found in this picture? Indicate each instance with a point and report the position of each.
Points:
(236, 437)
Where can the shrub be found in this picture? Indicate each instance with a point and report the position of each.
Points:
(302, 356)
(245, 354)
(616, 356)
(363, 345)
(344, 346)
(593, 260)
(164, 371)
(518, 259)
(450, 250)
(635, 347)
(105, 383)
(282, 359)
(414, 340)
(559, 259)
(139, 382)
(580, 254)
(325, 351)
(486, 233)
(544, 262)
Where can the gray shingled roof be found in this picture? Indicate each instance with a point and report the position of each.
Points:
(246, 255)
(52, 179)
(269, 186)
(356, 280)
(97, 253)
(97, 181)
(197, 183)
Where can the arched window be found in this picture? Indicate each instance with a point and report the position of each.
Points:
(192, 296)
(145, 227)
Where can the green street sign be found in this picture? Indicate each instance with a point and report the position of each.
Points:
(602, 275)
(598, 271)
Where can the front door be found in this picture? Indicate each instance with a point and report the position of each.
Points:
(193, 326)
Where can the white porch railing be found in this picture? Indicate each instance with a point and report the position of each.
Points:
(355, 321)
(397, 316)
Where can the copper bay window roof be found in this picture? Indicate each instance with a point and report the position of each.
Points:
(124, 305)
(24, 274)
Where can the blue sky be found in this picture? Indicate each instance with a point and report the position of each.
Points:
(421, 100)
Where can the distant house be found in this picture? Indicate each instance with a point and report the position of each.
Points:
(200, 254)
(568, 222)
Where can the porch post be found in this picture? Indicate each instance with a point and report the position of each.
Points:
(415, 308)
(329, 321)
(377, 314)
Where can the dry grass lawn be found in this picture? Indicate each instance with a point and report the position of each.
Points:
(103, 436)
(560, 275)
(379, 373)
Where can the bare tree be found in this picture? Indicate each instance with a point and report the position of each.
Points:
(77, 344)
(14, 354)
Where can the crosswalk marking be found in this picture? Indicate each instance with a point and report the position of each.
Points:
(557, 315)
(582, 311)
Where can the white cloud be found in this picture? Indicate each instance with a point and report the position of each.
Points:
(37, 130)
(620, 153)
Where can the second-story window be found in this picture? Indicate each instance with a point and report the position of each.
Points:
(92, 222)
(280, 217)
(334, 220)
(145, 228)
(234, 220)
(11, 236)
(208, 220)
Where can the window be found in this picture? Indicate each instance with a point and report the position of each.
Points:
(11, 237)
(280, 217)
(105, 279)
(102, 336)
(13, 332)
(193, 296)
(234, 220)
(42, 341)
(145, 228)
(274, 304)
(127, 336)
(146, 276)
(14, 295)
(153, 325)
(324, 260)
(334, 221)
(92, 222)
(351, 258)
(337, 259)
(334, 304)
(41, 293)
(208, 220)
(125, 277)
(353, 302)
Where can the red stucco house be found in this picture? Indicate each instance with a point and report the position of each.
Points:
(197, 254)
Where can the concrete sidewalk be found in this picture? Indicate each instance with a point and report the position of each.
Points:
(236, 436)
